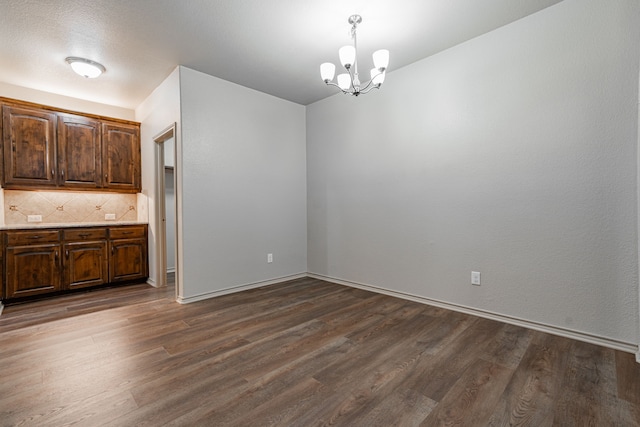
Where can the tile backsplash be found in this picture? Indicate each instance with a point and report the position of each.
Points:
(58, 207)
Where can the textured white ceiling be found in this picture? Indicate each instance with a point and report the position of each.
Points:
(274, 46)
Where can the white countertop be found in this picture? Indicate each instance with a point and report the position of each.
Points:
(68, 224)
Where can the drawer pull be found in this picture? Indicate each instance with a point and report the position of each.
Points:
(34, 237)
(84, 234)
(127, 232)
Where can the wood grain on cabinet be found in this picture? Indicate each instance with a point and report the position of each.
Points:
(85, 258)
(32, 263)
(45, 148)
(128, 253)
(79, 152)
(121, 156)
(51, 260)
(29, 138)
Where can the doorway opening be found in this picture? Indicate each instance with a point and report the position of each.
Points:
(166, 229)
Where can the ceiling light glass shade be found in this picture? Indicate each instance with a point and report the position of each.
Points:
(347, 56)
(327, 71)
(377, 77)
(381, 59)
(86, 67)
(344, 81)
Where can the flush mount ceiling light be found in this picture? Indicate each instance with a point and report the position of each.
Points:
(85, 67)
(349, 82)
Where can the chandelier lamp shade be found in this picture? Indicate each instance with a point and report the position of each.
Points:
(349, 82)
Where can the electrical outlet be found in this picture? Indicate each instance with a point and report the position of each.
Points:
(110, 217)
(475, 278)
(269, 258)
(34, 218)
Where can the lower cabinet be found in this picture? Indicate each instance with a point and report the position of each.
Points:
(33, 270)
(128, 254)
(39, 262)
(85, 258)
(33, 264)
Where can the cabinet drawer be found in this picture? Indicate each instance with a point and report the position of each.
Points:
(126, 232)
(20, 238)
(85, 234)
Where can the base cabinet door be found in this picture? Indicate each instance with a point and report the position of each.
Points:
(128, 259)
(85, 264)
(32, 270)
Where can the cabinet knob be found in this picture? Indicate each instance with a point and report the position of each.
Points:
(53, 172)
(113, 249)
(66, 253)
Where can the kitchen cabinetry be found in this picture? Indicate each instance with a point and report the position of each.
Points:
(121, 156)
(49, 149)
(128, 253)
(85, 258)
(29, 140)
(47, 261)
(79, 152)
(32, 263)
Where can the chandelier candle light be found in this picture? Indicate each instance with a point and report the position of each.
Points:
(349, 82)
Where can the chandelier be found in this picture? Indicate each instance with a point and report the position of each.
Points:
(349, 82)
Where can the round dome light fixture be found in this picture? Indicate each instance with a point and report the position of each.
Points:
(85, 67)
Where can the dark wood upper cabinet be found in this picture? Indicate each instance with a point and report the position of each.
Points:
(28, 136)
(121, 156)
(48, 149)
(79, 152)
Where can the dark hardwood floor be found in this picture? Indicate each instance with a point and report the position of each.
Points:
(300, 353)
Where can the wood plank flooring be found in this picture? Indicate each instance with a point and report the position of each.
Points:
(299, 353)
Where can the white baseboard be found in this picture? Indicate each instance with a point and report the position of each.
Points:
(152, 282)
(551, 329)
(1, 308)
(239, 288)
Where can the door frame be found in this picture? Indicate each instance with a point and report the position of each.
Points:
(160, 207)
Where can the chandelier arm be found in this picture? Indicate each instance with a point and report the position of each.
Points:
(377, 86)
(333, 84)
(370, 89)
(367, 86)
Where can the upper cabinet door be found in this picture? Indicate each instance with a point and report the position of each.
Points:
(121, 157)
(29, 146)
(79, 152)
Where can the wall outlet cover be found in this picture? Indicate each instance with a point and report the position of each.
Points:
(110, 217)
(475, 278)
(34, 218)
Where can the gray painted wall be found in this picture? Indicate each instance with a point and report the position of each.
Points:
(159, 111)
(513, 154)
(243, 185)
